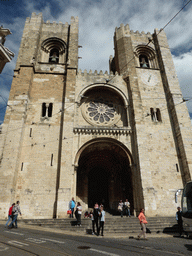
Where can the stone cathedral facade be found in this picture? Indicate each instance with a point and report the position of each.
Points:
(97, 137)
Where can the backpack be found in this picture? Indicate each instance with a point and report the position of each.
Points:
(13, 210)
(96, 213)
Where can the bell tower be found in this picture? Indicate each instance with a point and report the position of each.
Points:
(44, 82)
(157, 114)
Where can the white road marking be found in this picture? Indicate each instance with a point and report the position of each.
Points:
(55, 241)
(3, 248)
(17, 243)
(106, 253)
(20, 234)
(33, 240)
(159, 250)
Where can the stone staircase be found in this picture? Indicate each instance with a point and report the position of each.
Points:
(114, 225)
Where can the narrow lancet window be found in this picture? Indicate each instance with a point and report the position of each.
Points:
(47, 109)
(43, 109)
(155, 115)
(50, 108)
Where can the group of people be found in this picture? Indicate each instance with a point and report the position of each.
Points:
(97, 216)
(98, 219)
(13, 213)
(77, 211)
(124, 207)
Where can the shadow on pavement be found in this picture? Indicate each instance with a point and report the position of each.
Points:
(188, 246)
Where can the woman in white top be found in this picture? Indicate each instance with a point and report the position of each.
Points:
(120, 208)
(79, 209)
(102, 220)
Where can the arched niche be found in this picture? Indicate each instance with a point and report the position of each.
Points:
(51, 47)
(103, 105)
(104, 173)
(145, 57)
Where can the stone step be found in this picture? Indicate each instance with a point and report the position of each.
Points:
(114, 219)
(113, 225)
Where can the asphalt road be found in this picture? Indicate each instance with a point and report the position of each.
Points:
(25, 241)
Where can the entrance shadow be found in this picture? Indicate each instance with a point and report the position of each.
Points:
(113, 212)
(73, 223)
(188, 246)
(171, 230)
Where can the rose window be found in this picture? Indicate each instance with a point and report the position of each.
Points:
(101, 112)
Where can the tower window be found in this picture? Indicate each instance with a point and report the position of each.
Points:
(155, 115)
(43, 109)
(53, 50)
(54, 56)
(47, 109)
(145, 57)
(50, 109)
(144, 62)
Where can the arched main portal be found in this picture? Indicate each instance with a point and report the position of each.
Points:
(104, 175)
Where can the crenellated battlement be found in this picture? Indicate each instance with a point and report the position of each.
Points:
(38, 18)
(96, 74)
(124, 31)
(56, 25)
(140, 33)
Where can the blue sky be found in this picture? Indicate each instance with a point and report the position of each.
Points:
(97, 22)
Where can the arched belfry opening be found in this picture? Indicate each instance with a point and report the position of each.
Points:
(104, 175)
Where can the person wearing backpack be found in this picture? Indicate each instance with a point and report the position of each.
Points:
(10, 216)
(15, 212)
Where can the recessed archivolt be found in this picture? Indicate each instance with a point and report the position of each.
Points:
(103, 140)
(105, 86)
(145, 50)
(53, 42)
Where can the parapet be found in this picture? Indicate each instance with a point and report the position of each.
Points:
(35, 18)
(74, 19)
(124, 31)
(95, 74)
(38, 18)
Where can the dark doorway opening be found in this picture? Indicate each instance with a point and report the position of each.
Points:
(98, 187)
(104, 176)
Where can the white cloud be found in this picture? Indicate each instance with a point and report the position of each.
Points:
(97, 22)
(183, 64)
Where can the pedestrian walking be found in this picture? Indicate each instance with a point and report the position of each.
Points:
(10, 216)
(127, 208)
(15, 212)
(179, 220)
(79, 212)
(72, 206)
(120, 208)
(143, 223)
(102, 220)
